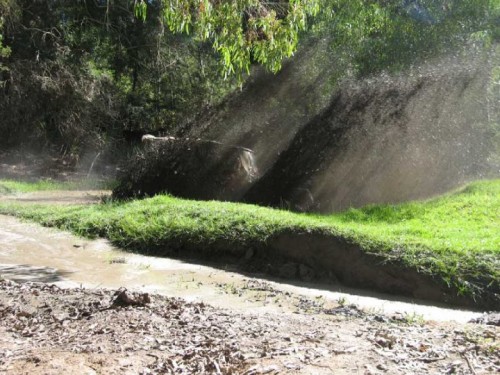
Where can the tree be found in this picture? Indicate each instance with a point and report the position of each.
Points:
(4, 50)
(241, 31)
(389, 35)
(75, 70)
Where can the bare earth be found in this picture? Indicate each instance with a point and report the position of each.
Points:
(46, 329)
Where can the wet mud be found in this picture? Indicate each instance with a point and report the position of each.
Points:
(347, 264)
(29, 252)
(56, 317)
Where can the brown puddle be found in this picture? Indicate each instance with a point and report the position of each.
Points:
(29, 252)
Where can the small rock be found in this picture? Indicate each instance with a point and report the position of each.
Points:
(119, 260)
(370, 370)
(382, 367)
(492, 319)
(398, 317)
(381, 319)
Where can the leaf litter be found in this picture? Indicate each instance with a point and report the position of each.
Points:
(46, 329)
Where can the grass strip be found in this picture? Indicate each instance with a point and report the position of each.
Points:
(15, 187)
(454, 237)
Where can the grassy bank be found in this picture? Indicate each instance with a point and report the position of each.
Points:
(455, 237)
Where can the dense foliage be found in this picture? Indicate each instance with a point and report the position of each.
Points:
(373, 36)
(79, 74)
(241, 31)
(83, 72)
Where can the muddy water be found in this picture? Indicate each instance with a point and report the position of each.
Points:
(31, 252)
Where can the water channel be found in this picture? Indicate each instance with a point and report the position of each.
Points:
(30, 252)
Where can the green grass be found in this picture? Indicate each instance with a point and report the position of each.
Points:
(463, 222)
(14, 186)
(455, 237)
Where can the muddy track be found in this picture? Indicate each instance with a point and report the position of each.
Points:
(68, 261)
(256, 326)
(322, 258)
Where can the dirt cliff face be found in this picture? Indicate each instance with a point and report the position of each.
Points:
(387, 139)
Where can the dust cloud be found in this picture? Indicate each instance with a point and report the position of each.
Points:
(271, 109)
(417, 135)
(323, 145)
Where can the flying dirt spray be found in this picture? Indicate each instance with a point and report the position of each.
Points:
(389, 139)
(323, 144)
(384, 139)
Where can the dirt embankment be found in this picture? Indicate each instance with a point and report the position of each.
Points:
(317, 257)
(48, 330)
(343, 262)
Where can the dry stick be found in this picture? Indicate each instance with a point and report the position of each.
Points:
(471, 368)
(216, 366)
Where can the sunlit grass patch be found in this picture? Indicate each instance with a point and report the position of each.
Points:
(454, 237)
(465, 221)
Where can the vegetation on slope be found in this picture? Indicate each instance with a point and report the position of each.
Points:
(454, 237)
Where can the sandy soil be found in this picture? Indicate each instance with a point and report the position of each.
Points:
(59, 197)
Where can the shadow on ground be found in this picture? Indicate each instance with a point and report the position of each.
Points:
(23, 273)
